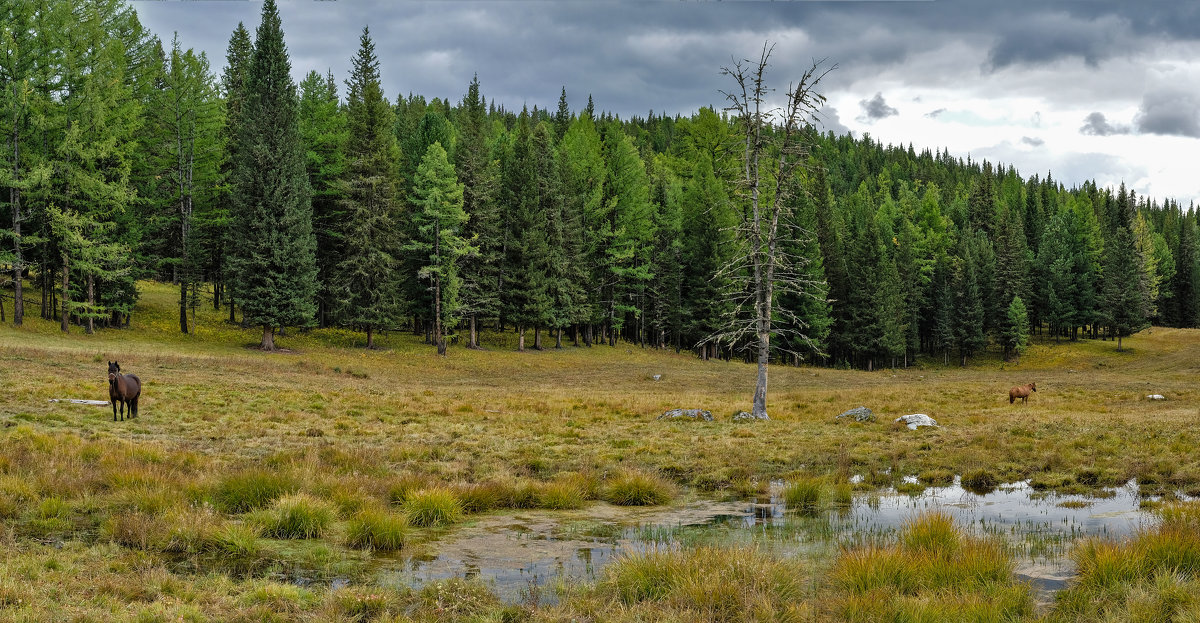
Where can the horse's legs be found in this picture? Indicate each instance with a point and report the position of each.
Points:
(114, 405)
(122, 410)
(133, 406)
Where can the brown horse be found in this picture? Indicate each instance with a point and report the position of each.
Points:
(123, 388)
(1021, 392)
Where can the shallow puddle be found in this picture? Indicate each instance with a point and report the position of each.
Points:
(523, 555)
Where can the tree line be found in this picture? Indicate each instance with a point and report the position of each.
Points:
(326, 204)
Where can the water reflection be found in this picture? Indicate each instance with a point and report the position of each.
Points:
(517, 554)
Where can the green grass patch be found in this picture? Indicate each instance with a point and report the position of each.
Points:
(377, 530)
(638, 488)
(297, 516)
(250, 490)
(438, 506)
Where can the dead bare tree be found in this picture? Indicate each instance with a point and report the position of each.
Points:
(776, 142)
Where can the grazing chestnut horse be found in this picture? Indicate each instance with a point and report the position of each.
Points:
(1021, 392)
(123, 388)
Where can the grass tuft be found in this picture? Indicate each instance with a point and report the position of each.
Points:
(804, 495)
(297, 516)
(980, 481)
(377, 530)
(250, 490)
(638, 488)
(437, 506)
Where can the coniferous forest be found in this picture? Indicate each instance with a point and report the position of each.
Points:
(324, 204)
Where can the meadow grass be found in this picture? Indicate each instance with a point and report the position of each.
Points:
(1153, 576)
(299, 516)
(437, 506)
(179, 496)
(377, 530)
(933, 572)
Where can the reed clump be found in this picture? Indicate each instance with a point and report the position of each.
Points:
(934, 572)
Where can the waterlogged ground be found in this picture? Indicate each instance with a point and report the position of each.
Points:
(533, 552)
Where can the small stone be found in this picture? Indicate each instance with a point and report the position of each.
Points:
(1156, 397)
(743, 415)
(860, 414)
(916, 420)
(657, 377)
(692, 414)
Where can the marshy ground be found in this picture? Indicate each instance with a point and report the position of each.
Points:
(333, 483)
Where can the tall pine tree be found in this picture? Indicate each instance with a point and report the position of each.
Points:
(273, 263)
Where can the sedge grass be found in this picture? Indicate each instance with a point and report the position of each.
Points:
(377, 530)
(437, 506)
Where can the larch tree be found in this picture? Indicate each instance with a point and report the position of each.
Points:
(365, 282)
(273, 261)
(439, 218)
(775, 142)
(188, 112)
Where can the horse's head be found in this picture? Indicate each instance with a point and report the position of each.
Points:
(1033, 386)
(114, 369)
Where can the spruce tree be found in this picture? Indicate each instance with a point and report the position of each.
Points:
(1125, 295)
(1015, 333)
(525, 296)
(273, 261)
(365, 283)
(479, 174)
(323, 131)
(234, 85)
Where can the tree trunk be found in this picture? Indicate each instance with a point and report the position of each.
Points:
(537, 337)
(474, 335)
(18, 261)
(46, 303)
(1118, 342)
(232, 318)
(91, 321)
(268, 338)
(183, 323)
(558, 338)
(370, 337)
(65, 296)
(438, 330)
(521, 340)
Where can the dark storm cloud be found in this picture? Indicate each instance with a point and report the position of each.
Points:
(1032, 141)
(1171, 112)
(633, 57)
(829, 121)
(876, 108)
(1096, 124)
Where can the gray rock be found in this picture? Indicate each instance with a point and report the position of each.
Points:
(691, 414)
(860, 414)
(657, 377)
(915, 420)
(743, 415)
(1156, 397)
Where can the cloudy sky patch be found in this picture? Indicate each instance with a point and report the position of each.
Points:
(1107, 84)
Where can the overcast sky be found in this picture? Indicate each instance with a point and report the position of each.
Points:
(1084, 89)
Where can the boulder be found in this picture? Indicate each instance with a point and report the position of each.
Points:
(1156, 397)
(916, 420)
(743, 415)
(657, 377)
(860, 414)
(691, 414)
